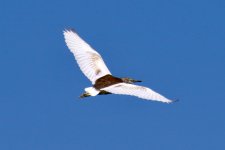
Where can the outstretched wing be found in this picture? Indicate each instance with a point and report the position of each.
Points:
(89, 61)
(135, 90)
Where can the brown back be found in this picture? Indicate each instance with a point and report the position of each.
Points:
(106, 81)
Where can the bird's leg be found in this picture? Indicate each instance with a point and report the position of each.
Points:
(85, 95)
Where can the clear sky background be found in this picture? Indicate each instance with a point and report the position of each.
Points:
(176, 47)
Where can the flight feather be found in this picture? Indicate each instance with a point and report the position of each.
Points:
(136, 90)
(89, 61)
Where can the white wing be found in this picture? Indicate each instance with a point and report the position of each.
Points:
(135, 90)
(89, 61)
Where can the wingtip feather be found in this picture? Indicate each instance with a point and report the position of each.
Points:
(172, 101)
(69, 30)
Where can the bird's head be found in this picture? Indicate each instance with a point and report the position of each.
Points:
(129, 80)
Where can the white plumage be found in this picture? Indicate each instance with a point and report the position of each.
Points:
(93, 67)
(92, 91)
(89, 61)
(135, 90)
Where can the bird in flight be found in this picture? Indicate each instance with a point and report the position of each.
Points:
(94, 68)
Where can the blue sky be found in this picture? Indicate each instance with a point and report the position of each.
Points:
(176, 47)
